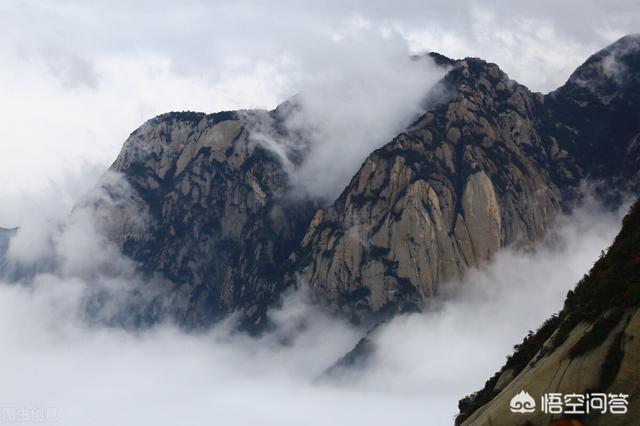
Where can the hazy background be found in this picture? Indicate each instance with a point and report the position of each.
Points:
(78, 77)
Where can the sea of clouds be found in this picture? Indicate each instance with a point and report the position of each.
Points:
(55, 356)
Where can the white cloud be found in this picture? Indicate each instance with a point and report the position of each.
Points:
(422, 365)
(78, 77)
(359, 91)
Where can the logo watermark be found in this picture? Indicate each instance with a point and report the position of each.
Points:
(572, 403)
(523, 403)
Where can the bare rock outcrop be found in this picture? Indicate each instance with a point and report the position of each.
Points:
(591, 346)
(489, 165)
(218, 222)
(471, 176)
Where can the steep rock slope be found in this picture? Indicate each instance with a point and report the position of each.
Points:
(469, 177)
(592, 345)
(492, 167)
(595, 116)
(214, 215)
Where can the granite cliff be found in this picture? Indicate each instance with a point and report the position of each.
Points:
(488, 169)
(489, 164)
(218, 221)
(590, 346)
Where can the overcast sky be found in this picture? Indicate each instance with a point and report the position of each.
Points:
(77, 77)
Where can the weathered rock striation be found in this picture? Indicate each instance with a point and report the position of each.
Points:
(490, 168)
(471, 176)
(217, 218)
(487, 166)
(591, 346)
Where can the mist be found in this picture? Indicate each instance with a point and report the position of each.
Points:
(359, 91)
(77, 78)
(84, 372)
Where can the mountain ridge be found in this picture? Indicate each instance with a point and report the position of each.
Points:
(490, 164)
(496, 150)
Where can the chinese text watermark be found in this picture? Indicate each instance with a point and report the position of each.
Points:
(572, 403)
(28, 414)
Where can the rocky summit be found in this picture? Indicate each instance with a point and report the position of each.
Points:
(217, 219)
(471, 176)
(489, 164)
(488, 169)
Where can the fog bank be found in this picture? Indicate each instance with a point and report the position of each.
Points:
(423, 363)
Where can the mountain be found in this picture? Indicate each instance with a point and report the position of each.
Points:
(471, 176)
(489, 164)
(218, 221)
(488, 169)
(595, 116)
(592, 345)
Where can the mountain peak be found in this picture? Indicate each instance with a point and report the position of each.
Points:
(489, 165)
(610, 72)
(440, 59)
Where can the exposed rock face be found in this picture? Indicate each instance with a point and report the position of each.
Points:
(464, 180)
(595, 116)
(489, 166)
(592, 345)
(217, 221)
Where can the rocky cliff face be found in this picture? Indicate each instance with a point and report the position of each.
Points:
(592, 345)
(471, 176)
(595, 116)
(216, 218)
(488, 166)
